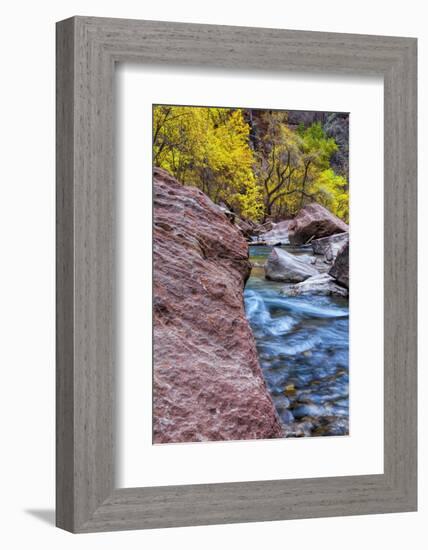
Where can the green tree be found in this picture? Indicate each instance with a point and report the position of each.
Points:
(294, 168)
(332, 192)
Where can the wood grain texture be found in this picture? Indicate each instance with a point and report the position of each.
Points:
(87, 50)
(64, 276)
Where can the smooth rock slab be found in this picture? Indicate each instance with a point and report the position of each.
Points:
(319, 285)
(283, 266)
(207, 381)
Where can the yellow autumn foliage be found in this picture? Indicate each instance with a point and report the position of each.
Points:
(211, 148)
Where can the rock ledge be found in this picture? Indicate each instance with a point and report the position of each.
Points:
(207, 382)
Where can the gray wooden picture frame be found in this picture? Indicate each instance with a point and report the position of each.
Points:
(87, 50)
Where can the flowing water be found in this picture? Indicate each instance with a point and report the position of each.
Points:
(303, 346)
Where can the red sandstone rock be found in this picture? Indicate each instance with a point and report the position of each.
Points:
(314, 222)
(208, 384)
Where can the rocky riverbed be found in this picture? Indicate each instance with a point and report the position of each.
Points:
(302, 343)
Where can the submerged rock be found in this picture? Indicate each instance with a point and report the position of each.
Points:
(283, 266)
(303, 410)
(314, 222)
(322, 284)
(207, 382)
(340, 269)
(332, 426)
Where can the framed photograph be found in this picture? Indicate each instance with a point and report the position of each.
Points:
(236, 274)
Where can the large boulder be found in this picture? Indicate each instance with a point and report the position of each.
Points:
(277, 235)
(314, 222)
(319, 285)
(340, 269)
(283, 266)
(207, 382)
(329, 246)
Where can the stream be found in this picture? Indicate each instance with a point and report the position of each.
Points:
(303, 346)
